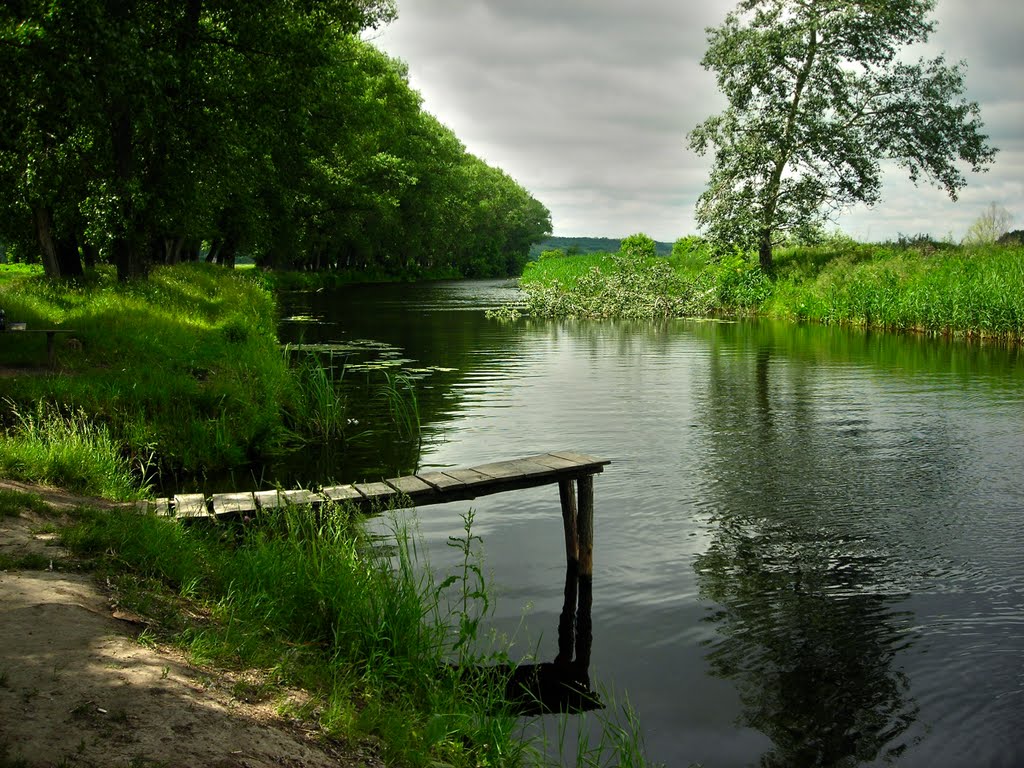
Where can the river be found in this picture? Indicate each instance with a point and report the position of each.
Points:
(808, 545)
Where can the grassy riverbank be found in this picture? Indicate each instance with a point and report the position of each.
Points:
(301, 601)
(178, 374)
(183, 373)
(932, 288)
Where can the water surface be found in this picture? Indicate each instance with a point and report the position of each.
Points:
(808, 544)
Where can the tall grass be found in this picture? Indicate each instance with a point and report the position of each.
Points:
(68, 449)
(367, 630)
(950, 290)
(319, 408)
(399, 391)
(185, 365)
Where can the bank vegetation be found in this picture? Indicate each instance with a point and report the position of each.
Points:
(914, 284)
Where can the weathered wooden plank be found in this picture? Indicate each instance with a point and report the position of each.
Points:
(190, 505)
(233, 503)
(504, 470)
(301, 497)
(268, 499)
(342, 493)
(470, 476)
(550, 460)
(411, 486)
(582, 458)
(374, 491)
(441, 481)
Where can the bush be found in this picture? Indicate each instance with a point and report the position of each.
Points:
(638, 246)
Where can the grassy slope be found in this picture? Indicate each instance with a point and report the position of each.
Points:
(182, 371)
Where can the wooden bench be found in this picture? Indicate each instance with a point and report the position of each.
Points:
(51, 346)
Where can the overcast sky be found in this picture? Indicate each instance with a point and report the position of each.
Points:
(587, 104)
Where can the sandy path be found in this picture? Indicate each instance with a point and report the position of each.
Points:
(78, 689)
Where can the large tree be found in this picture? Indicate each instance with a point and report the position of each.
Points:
(817, 97)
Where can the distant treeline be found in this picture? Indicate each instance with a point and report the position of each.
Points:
(144, 132)
(579, 245)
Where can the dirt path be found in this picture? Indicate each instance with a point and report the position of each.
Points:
(77, 688)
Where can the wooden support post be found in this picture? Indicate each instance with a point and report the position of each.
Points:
(585, 523)
(567, 495)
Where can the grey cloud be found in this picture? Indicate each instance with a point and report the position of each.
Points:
(588, 103)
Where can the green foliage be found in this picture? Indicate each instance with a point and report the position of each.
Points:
(68, 449)
(143, 132)
(365, 629)
(920, 285)
(638, 246)
(555, 253)
(817, 96)
(184, 368)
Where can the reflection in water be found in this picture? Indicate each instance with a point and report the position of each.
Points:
(564, 684)
(851, 502)
(807, 624)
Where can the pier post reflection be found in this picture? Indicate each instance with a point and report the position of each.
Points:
(562, 685)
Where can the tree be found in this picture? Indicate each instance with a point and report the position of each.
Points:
(638, 246)
(990, 226)
(817, 98)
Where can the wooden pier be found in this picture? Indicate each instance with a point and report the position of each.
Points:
(574, 473)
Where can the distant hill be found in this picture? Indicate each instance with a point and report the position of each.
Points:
(588, 245)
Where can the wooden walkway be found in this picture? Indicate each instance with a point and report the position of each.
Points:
(574, 473)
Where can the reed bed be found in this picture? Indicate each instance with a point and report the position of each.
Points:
(964, 291)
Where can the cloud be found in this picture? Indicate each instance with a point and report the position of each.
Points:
(587, 103)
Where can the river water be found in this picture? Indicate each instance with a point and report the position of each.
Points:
(808, 545)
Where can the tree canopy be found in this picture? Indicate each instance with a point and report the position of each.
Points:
(141, 132)
(817, 97)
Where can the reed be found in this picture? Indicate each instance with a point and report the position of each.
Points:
(399, 391)
(917, 285)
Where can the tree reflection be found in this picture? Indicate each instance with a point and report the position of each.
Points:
(807, 624)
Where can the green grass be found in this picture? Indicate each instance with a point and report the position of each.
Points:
(366, 629)
(67, 449)
(183, 371)
(948, 290)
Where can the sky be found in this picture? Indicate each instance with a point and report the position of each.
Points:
(587, 104)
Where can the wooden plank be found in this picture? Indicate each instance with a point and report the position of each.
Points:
(162, 508)
(470, 476)
(268, 499)
(233, 503)
(516, 468)
(301, 497)
(190, 505)
(581, 458)
(550, 460)
(374, 491)
(441, 481)
(411, 486)
(342, 493)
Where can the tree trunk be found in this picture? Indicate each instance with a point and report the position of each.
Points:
(68, 258)
(764, 252)
(127, 259)
(89, 254)
(47, 245)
